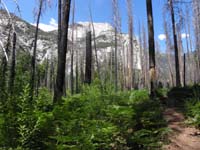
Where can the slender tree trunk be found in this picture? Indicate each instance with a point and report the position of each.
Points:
(33, 63)
(77, 74)
(152, 63)
(117, 25)
(187, 47)
(144, 37)
(116, 62)
(46, 81)
(168, 50)
(51, 76)
(178, 82)
(142, 76)
(196, 13)
(62, 50)
(88, 66)
(130, 30)
(95, 45)
(82, 72)
(12, 69)
(180, 58)
(184, 70)
(72, 51)
(59, 24)
(77, 66)
(3, 83)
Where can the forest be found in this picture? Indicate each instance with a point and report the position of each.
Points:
(87, 85)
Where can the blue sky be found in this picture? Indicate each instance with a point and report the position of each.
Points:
(101, 9)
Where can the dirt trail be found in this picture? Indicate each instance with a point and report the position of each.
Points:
(182, 137)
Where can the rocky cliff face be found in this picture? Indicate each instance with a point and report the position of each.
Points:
(47, 41)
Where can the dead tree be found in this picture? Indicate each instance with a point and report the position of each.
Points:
(5, 59)
(12, 68)
(62, 50)
(33, 61)
(117, 24)
(88, 66)
(146, 56)
(196, 13)
(184, 70)
(168, 50)
(95, 45)
(72, 50)
(152, 63)
(130, 32)
(177, 67)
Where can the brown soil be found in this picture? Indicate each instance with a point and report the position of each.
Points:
(182, 137)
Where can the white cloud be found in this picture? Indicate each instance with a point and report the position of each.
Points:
(184, 35)
(53, 25)
(162, 37)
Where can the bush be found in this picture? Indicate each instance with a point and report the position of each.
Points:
(91, 120)
(150, 125)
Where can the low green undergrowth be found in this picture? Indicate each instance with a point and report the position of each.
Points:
(91, 120)
(187, 99)
(192, 107)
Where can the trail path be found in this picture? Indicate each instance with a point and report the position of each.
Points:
(182, 137)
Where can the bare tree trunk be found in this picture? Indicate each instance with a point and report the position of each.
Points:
(130, 30)
(12, 69)
(58, 91)
(142, 78)
(196, 13)
(95, 49)
(72, 51)
(33, 62)
(145, 56)
(51, 76)
(152, 63)
(77, 67)
(124, 66)
(59, 24)
(186, 22)
(117, 25)
(95, 45)
(4, 65)
(46, 73)
(82, 71)
(168, 50)
(180, 48)
(77, 74)
(116, 62)
(178, 82)
(191, 48)
(88, 67)
(184, 70)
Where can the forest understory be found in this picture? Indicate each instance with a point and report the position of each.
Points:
(89, 86)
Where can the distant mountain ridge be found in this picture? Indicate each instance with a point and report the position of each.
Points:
(47, 41)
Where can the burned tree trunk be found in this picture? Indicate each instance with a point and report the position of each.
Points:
(12, 69)
(72, 51)
(152, 63)
(184, 70)
(130, 32)
(62, 50)
(116, 62)
(33, 61)
(178, 81)
(88, 66)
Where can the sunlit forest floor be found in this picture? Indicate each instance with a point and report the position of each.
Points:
(182, 137)
(103, 120)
